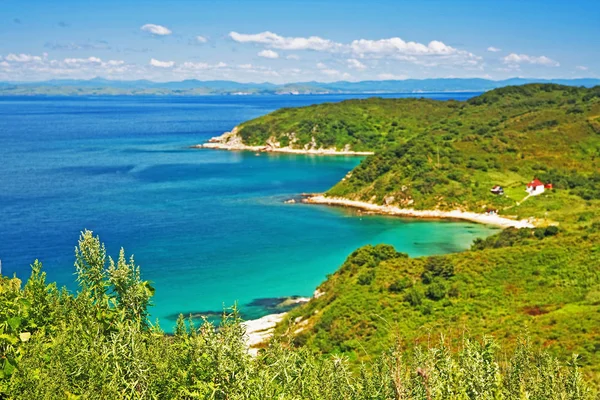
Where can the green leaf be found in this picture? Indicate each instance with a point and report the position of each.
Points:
(14, 322)
(8, 367)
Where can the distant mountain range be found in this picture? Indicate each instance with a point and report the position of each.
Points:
(193, 87)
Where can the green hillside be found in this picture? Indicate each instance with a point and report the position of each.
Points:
(545, 281)
(98, 344)
(446, 155)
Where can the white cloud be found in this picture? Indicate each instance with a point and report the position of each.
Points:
(355, 64)
(493, 49)
(188, 65)
(330, 72)
(517, 59)
(581, 68)
(158, 30)
(22, 58)
(334, 73)
(268, 54)
(396, 45)
(79, 61)
(30, 67)
(392, 48)
(292, 57)
(201, 39)
(285, 43)
(162, 64)
(320, 65)
(391, 77)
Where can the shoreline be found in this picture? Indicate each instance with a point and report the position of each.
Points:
(496, 220)
(260, 330)
(233, 142)
(287, 150)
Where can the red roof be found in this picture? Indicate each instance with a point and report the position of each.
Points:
(535, 183)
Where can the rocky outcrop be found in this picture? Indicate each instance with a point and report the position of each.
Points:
(233, 141)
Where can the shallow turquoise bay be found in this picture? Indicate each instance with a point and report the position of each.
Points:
(209, 228)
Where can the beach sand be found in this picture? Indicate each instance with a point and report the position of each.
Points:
(489, 219)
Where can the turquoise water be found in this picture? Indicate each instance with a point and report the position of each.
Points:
(209, 228)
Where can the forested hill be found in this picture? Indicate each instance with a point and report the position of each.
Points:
(428, 154)
(448, 154)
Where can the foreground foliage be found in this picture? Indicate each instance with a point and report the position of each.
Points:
(99, 344)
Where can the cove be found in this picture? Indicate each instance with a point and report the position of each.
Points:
(209, 228)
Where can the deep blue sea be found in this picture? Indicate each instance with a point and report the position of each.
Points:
(208, 227)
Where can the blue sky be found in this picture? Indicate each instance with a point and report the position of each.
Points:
(298, 40)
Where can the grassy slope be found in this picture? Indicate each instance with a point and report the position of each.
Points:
(507, 284)
(365, 125)
(434, 154)
(549, 287)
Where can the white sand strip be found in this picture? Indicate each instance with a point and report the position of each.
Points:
(261, 330)
(490, 219)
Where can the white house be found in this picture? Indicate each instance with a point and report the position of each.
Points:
(535, 187)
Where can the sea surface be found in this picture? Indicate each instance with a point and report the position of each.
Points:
(208, 228)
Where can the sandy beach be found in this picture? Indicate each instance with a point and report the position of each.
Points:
(409, 212)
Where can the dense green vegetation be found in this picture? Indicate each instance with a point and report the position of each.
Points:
(435, 154)
(448, 155)
(99, 344)
(384, 325)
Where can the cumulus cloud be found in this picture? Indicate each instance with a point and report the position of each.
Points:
(268, 54)
(27, 66)
(391, 77)
(581, 68)
(285, 43)
(199, 66)
(517, 59)
(392, 48)
(22, 58)
(335, 74)
(201, 39)
(320, 65)
(396, 45)
(292, 57)
(79, 61)
(157, 30)
(355, 64)
(161, 64)
(493, 49)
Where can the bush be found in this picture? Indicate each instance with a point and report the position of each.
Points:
(399, 285)
(436, 290)
(414, 297)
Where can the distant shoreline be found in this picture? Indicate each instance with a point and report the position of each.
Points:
(233, 142)
(268, 149)
(496, 220)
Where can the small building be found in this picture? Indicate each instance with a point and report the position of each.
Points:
(535, 187)
(548, 186)
(498, 190)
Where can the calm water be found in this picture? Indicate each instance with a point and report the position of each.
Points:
(207, 227)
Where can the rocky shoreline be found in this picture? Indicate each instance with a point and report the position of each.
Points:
(259, 331)
(233, 142)
(489, 219)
